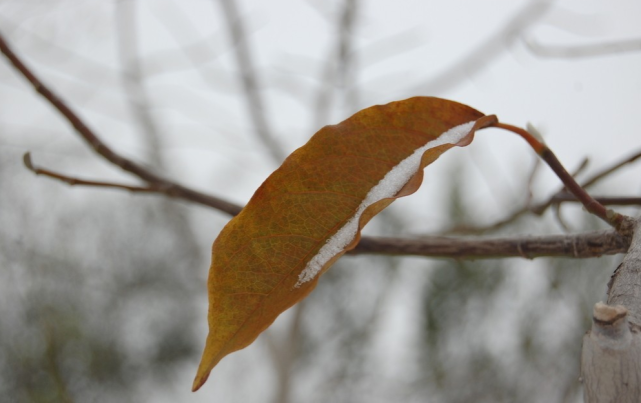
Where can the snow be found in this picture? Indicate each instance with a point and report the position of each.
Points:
(389, 186)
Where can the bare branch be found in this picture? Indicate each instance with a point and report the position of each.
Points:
(133, 80)
(518, 213)
(338, 65)
(70, 180)
(583, 245)
(602, 174)
(493, 46)
(170, 188)
(607, 171)
(249, 79)
(583, 51)
(591, 205)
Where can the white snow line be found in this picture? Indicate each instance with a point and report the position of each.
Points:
(389, 186)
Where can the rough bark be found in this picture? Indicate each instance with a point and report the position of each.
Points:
(611, 357)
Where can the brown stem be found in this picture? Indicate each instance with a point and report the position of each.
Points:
(82, 182)
(591, 205)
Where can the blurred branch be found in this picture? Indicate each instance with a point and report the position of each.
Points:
(527, 207)
(607, 171)
(59, 58)
(337, 66)
(198, 52)
(593, 206)
(132, 77)
(560, 196)
(582, 51)
(284, 351)
(249, 79)
(602, 174)
(479, 57)
(556, 209)
(140, 109)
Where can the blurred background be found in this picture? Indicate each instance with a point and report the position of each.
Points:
(102, 292)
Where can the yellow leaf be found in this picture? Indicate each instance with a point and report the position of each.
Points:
(310, 211)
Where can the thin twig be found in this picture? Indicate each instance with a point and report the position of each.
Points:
(600, 175)
(170, 188)
(525, 209)
(593, 206)
(70, 180)
(607, 171)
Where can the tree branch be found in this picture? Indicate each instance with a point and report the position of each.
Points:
(579, 245)
(591, 205)
(540, 208)
(556, 198)
(583, 245)
(170, 188)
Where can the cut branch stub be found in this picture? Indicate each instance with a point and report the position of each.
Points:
(611, 357)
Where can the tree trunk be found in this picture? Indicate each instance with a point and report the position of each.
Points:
(611, 357)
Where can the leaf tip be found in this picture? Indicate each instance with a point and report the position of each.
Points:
(199, 381)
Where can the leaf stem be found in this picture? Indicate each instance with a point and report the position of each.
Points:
(591, 205)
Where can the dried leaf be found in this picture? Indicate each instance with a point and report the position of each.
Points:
(310, 211)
